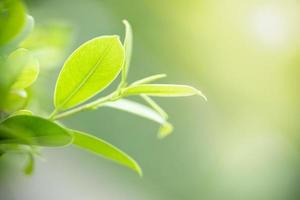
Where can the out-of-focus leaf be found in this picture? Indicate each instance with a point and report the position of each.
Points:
(89, 69)
(33, 130)
(29, 167)
(22, 112)
(165, 130)
(128, 49)
(149, 79)
(49, 50)
(103, 148)
(29, 72)
(12, 20)
(13, 101)
(162, 90)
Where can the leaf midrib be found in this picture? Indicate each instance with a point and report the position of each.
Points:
(90, 73)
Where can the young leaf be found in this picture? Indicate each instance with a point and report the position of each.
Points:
(137, 109)
(33, 130)
(162, 90)
(89, 69)
(103, 148)
(14, 100)
(29, 69)
(165, 130)
(12, 20)
(149, 79)
(128, 49)
(143, 111)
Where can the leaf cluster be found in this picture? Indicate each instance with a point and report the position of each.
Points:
(89, 70)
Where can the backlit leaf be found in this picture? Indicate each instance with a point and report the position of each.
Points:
(128, 49)
(89, 69)
(103, 148)
(162, 90)
(29, 69)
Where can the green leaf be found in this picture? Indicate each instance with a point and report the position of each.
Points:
(143, 111)
(33, 130)
(165, 130)
(103, 148)
(89, 70)
(22, 112)
(162, 90)
(128, 49)
(29, 72)
(29, 167)
(149, 79)
(155, 106)
(137, 109)
(49, 50)
(14, 100)
(12, 20)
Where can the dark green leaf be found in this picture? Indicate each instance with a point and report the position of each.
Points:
(33, 130)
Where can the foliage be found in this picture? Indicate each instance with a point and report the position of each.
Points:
(89, 70)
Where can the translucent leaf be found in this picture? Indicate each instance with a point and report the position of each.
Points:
(103, 148)
(12, 20)
(29, 69)
(89, 69)
(149, 79)
(162, 90)
(143, 111)
(137, 109)
(33, 130)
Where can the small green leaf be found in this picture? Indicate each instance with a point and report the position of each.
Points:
(33, 130)
(162, 90)
(29, 167)
(29, 72)
(137, 109)
(128, 49)
(12, 19)
(143, 111)
(89, 70)
(103, 148)
(149, 79)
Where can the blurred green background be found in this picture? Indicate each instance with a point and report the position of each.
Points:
(243, 144)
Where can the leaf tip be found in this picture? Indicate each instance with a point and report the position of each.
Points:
(165, 130)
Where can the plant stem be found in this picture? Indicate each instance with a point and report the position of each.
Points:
(92, 105)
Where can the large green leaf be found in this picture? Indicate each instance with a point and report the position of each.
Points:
(12, 19)
(90, 69)
(103, 148)
(162, 90)
(33, 130)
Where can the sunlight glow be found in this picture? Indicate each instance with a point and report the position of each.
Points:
(271, 25)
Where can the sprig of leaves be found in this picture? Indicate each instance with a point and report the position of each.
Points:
(91, 68)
